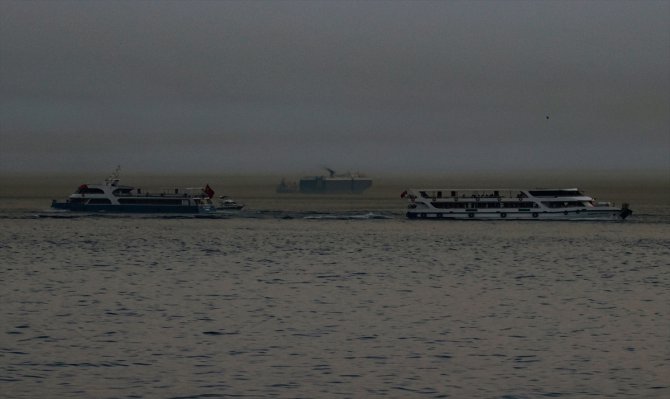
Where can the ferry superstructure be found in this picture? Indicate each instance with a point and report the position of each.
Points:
(110, 196)
(509, 204)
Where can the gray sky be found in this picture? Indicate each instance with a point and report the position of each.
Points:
(284, 86)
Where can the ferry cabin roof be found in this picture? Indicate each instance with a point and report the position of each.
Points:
(498, 193)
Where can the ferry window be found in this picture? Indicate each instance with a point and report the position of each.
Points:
(562, 204)
(87, 190)
(99, 201)
(555, 193)
(150, 201)
(518, 204)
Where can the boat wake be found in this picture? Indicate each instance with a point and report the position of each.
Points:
(260, 214)
(367, 216)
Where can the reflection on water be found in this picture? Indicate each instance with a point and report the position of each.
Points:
(344, 299)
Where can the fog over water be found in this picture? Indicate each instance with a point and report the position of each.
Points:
(287, 87)
(333, 296)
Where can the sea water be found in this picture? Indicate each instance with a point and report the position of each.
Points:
(333, 297)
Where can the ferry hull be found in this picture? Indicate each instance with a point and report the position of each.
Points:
(614, 214)
(131, 208)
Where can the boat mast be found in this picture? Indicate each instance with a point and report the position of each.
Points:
(113, 179)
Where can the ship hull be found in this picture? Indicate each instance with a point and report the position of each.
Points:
(74, 207)
(614, 214)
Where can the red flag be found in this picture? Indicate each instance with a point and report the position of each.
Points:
(208, 190)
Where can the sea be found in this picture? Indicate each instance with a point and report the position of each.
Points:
(318, 296)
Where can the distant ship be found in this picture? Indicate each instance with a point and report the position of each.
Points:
(350, 183)
(287, 187)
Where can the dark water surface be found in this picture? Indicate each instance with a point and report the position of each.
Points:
(340, 300)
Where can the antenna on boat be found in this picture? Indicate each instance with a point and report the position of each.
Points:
(113, 179)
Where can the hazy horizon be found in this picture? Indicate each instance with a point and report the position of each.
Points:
(285, 88)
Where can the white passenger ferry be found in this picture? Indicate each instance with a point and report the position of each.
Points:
(514, 204)
(110, 196)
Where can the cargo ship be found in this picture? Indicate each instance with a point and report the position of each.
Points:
(349, 183)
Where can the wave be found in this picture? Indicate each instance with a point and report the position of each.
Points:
(637, 218)
(259, 214)
(366, 216)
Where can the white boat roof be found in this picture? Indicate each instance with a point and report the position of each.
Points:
(494, 189)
